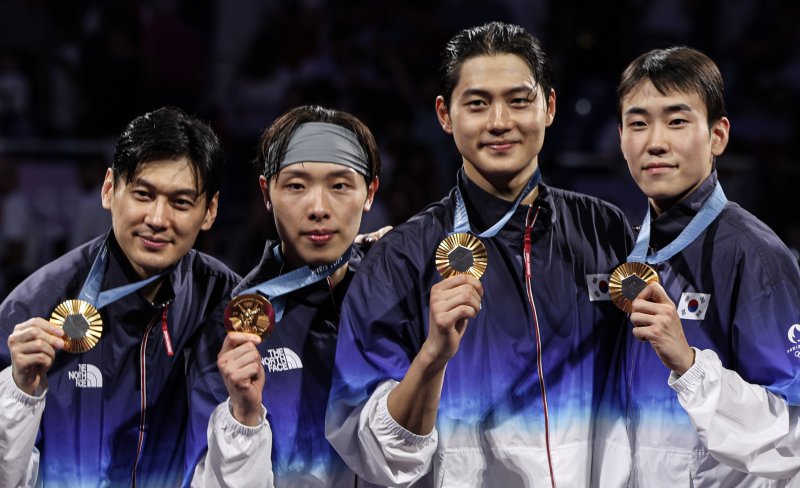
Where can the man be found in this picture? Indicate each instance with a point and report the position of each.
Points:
(525, 348)
(729, 287)
(320, 171)
(76, 413)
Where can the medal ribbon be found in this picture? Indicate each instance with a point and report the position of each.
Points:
(276, 288)
(699, 223)
(90, 292)
(461, 219)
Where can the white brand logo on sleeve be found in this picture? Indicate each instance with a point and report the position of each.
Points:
(281, 359)
(794, 334)
(87, 376)
(794, 338)
(598, 287)
(693, 306)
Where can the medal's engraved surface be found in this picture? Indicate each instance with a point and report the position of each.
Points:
(81, 322)
(251, 313)
(461, 253)
(627, 281)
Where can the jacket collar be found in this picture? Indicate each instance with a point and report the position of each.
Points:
(664, 228)
(485, 209)
(269, 267)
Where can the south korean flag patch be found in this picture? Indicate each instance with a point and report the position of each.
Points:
(693, 306)
(598, 287)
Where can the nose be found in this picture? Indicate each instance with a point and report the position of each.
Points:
(657, 141)
(157, 214)
(499, 118)
(319, 208)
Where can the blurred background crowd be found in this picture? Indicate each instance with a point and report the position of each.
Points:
(72, 74)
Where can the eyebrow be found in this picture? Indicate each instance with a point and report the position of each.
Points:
(188, 192)
(301, 173)
(343, 173)
(481, 92)
(669, 109)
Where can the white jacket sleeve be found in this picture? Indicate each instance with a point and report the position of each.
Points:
(238, 455)
(20, 416)
(376, 447)
(741, 424)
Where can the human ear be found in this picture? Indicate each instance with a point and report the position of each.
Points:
(211, 212)
(372, 188)
(264, 184)
(720, 134)
(443, 115)
(551, 108)
(107, 189)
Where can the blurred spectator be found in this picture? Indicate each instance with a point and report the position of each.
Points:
(14, 98)
(173, 51)
(89, 219)
(112, 70)
(17, 235)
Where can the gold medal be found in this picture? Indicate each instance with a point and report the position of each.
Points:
(627, 281)
(461, 253)
(251, 313)
(81, 322)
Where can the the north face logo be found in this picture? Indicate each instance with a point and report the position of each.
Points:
(281, 359)
(87, 376)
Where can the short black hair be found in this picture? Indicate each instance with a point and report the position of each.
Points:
(676, 69)
(275, 139)
(493, 39)
(170, 133)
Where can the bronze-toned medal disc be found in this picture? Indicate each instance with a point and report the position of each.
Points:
(627, 281)
(461, 253)
(251, 313)
(81, 322)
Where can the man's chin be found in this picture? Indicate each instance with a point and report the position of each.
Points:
(153, 267)
(320, 258)
(320, 261)
(658, 190)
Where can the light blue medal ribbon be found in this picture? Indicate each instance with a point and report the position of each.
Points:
(630, 278)
(80, 318)
(462, 252)
(461, 219)
(708, 212)
(90, 292)
(277, 288)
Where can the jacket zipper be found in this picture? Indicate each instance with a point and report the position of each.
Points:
(539, 366)
(143, 382)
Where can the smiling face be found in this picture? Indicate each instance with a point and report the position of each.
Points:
(157, 216)
(497, 116)
(667, 142)
(317, 209)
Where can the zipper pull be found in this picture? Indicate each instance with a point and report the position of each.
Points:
(527, 240)
(527, 251)
(165, 332)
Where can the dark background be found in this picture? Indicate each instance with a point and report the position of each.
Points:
(72, 74)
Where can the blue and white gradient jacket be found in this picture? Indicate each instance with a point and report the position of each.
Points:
(737, 290)
(123, 413)
(495, 407)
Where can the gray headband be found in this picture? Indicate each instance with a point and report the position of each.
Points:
(321, 142)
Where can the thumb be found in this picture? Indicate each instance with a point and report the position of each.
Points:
(654, 293)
